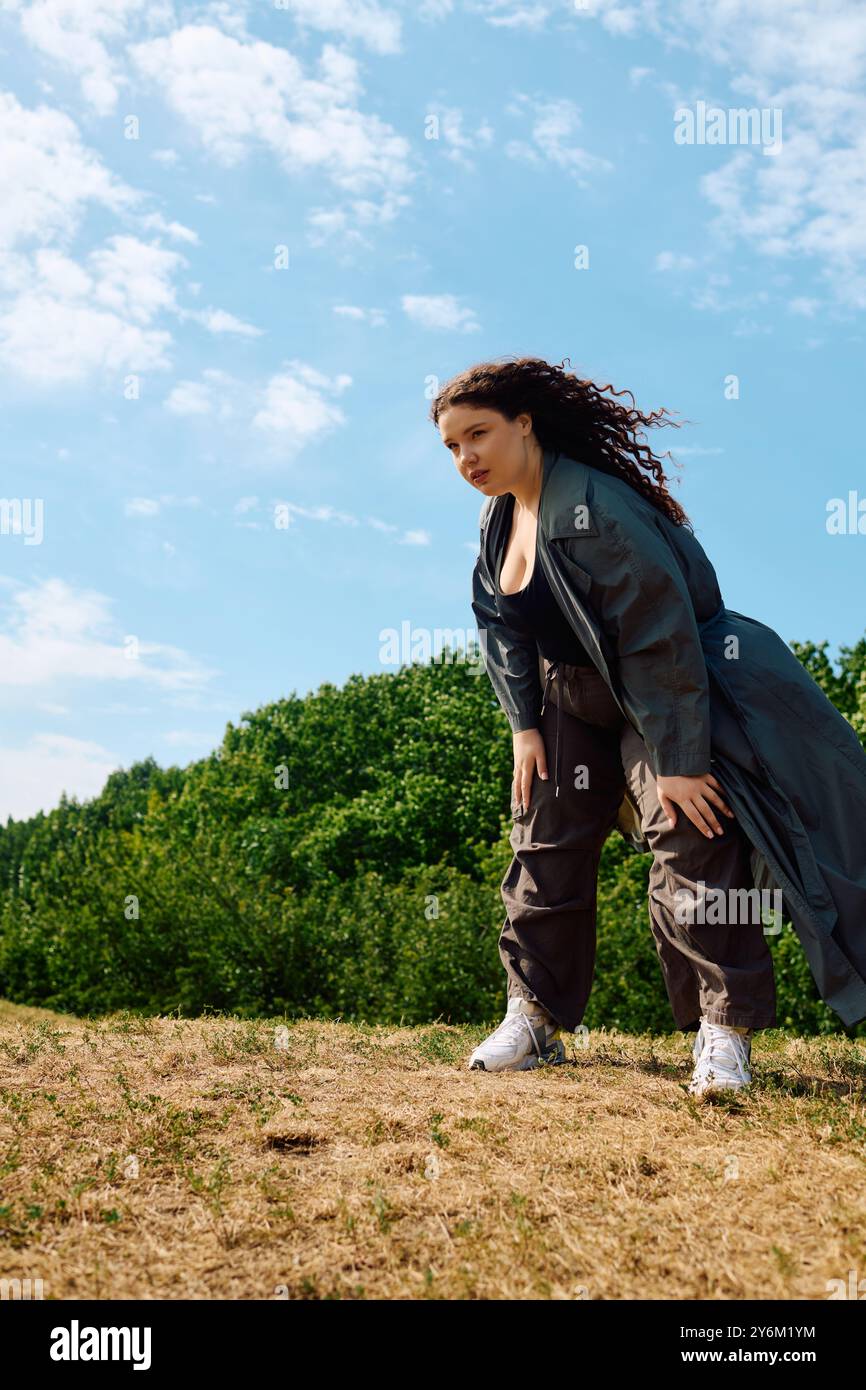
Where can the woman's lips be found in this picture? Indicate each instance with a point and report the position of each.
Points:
(480, 475)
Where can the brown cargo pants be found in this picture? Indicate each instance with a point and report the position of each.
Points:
(722, 970)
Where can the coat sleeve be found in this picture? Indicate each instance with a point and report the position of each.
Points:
(642, 602)
(510, 659)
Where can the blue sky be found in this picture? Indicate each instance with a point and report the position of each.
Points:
(233, 262)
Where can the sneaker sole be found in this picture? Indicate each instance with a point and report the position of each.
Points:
(551, 1057)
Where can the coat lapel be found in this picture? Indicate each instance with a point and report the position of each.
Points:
(562, 507)
(563, 510)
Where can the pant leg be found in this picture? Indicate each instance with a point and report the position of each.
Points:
(722, 971)
(548, 941)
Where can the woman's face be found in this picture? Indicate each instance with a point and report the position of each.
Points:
(488, 449)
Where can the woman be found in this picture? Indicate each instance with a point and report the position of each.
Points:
(592, 593)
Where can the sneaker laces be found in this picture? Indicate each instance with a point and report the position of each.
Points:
(518, 1021)
(727, 1046)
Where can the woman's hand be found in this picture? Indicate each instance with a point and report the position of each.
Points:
(529, 756)
(694, 795)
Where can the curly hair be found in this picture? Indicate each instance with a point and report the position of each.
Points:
(571, 416)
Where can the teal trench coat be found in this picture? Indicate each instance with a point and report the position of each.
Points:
(709, 690)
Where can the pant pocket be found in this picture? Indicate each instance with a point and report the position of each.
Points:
(587, 696)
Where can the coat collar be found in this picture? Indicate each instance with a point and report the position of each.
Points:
(563, 507)
(564, 484)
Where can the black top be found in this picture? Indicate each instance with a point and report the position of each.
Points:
(534, 611)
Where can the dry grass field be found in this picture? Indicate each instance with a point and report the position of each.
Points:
(218, 1158)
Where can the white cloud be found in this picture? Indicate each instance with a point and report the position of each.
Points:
(37, 773)
(214, 394)
(55, 633)
(376, 318)
(291, 409)
(554, 123)
(807, 201)
(64, 319)
(218, 321)
(459, 144)
(68, 321)
(133, 278)
(749, 328)
(236, 95)
(377, 28)
(802, 304)
(809, 61)
(75, 34)
(141, 506)
(155, 222)
(190, 398)
(674, 260)
(322, 513)
(440, 311)
(152, 506)
(48, 177)
(295, 409)
(506, 14)
(178, 738)
(51, 342)
(344, 224)
(87, 38)
(621, 19)
(326, 224)
(327, 513)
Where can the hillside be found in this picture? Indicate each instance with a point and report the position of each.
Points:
(222, 1158)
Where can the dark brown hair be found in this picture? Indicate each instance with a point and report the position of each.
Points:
(571, 416)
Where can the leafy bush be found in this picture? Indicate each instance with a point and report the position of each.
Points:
(338, 855)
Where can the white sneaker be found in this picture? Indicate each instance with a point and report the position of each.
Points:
(701, 1038)
(722, 1058)
(524, 1038)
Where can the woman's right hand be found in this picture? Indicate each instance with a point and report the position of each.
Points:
(529, 756)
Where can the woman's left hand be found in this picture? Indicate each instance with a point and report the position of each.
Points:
(694, 795)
